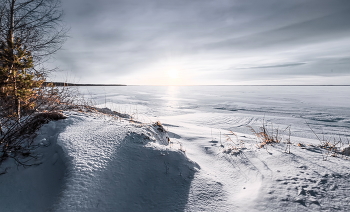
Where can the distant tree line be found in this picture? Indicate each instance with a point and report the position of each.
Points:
(77, 84)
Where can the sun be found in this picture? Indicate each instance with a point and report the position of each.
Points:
(167, 76)
(173, 74)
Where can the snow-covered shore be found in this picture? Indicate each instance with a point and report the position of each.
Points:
(98, 162)
(269, 178)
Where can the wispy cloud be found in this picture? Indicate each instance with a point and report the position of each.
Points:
(273, 66)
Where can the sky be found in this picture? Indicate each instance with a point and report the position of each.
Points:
(205, 42)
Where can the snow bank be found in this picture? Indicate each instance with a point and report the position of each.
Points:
(100, 163)
(38, 187)
(115, 165)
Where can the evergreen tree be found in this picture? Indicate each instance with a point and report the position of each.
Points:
(17, 84)
(30, 30)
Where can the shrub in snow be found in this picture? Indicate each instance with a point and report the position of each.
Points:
(16, 139)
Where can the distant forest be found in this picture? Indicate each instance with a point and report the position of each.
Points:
(77, 84)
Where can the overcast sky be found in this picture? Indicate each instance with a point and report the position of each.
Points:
(206, 42)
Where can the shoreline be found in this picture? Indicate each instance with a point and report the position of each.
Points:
(78, 84)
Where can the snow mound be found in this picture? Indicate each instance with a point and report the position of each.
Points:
(100, 163)
(38, 187)
(121, 166)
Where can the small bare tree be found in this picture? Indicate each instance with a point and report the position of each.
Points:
(37, 23)
(30, 31)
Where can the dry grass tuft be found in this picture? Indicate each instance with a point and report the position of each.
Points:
(265, 136)
(300, 145)
(159, 126)
(333, 146)
(233, 147)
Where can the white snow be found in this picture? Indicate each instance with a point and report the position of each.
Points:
(107, 164)
(99, 162)
(38, 187)
(262, 179)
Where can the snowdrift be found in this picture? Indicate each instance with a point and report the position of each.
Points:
(100, 163)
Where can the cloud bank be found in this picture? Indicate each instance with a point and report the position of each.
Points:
(207, 41)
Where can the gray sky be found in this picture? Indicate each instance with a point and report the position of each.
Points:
(206, 42)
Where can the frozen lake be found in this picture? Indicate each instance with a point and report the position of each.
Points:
(324, 108)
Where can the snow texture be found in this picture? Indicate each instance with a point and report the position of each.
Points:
(192, 161)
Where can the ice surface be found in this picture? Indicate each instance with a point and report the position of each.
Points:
(324, 108)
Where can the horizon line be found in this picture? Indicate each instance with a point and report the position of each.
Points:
(108, 84)
(238, 85)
